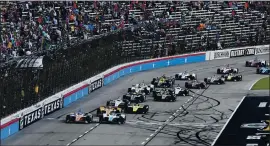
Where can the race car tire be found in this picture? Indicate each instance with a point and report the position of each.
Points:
(145, 109)
(121, 120)
(108, 103)
(247, 64)
(202, 86)
(186, 85)
(146, 91)
(235, 79)
(205, 80)
(218, 71)
(98, 111)
(100, 119)
(88, 120)
(129, 90)
(68, 119)
(258, 71)
(176, 76)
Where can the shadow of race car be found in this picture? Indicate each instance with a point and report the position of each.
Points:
(79, 117)
(195, 85)
(137, 109)
(233, 77)
(164, 94)
(215, 80)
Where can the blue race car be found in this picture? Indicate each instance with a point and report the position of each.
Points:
(263, 70)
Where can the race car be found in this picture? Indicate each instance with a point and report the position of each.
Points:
(79, 117)
(215, 80)
(163, 82)
(137, 97)
(233, 77)
(195, 84)
(180, 91)
(263, 70)
(185, 76)
(147, 89)
(256, 63)
(108, 109)
(118, 103)
(137, 109)
(112, 117)
(226, 70)
(164, 94)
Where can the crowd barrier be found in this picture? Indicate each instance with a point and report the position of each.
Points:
(26, 117)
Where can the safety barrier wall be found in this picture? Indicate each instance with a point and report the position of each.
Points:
(26, 117)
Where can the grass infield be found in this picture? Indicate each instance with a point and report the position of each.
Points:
(262, 84)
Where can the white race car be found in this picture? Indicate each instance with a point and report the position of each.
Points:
(113, 117)
(141, 88)
(180, 91)
(256, 62)
(118, 103)
(227, 70)
(185, 76)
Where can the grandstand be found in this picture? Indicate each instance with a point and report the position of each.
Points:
(80, 39)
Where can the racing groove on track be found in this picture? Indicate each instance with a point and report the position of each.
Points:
(192, 120)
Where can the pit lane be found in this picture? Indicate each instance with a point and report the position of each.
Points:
(198, 121)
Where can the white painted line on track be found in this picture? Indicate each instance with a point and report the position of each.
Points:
(228, 121)
(143, 143)
(86, 132)
(159, 127)
(151, 135)
(74, 140)
(97, 124)
(170, 118)
(68, 144)
(177, 110)
(147, 138)
(174, 114)
(81, 136)
(156, 131)
(262, 104)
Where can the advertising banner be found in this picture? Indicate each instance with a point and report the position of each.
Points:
(221, 54)
(262, 49)
(39, 113)
(242, 52)
(95, 85)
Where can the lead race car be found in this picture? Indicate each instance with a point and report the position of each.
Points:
(147, 89)
(79, 117)
(185, 76)
(164, 94)
(263, 70)
(137, 109)
(195, 84)
(226, 70)
(256, 63)
(163, 82)
(215, 80)
(233, 77)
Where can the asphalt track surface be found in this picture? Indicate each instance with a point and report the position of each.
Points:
(191, 120)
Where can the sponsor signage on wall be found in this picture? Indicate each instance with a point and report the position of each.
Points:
(262, 50)
(39, 113)
(96, 85)
(242, 52)
(221, 54)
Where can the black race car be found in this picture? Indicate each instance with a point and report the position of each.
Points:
(195, 85)
(137, 109)
(233, 77)
(137, 97)
(215, 80)
(163, 82)
(79, 117)
(164, 94)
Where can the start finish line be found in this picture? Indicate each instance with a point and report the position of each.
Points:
(249, 125)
